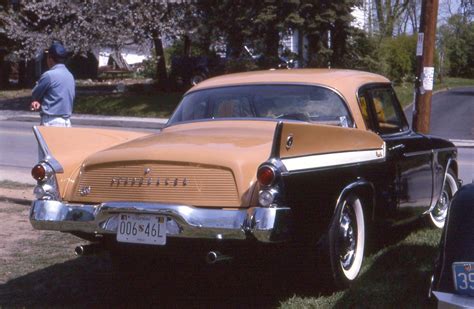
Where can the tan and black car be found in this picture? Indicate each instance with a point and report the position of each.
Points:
(309, 158)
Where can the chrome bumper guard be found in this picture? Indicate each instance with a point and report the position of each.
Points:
(264, 224)
(449, 300)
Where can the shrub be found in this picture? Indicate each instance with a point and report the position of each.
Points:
(397, 57)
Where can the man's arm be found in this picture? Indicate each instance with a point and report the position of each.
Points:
(41, 87)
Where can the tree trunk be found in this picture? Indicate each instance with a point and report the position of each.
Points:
(187, 46)
(4, 73)
(161, 74)
(301, 50)
(272, 41)
(338, 39)
(235, 43)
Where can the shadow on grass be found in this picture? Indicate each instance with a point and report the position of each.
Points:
(401, 275)
(394, 274)
(90, 280)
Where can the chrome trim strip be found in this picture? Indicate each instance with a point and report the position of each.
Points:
(264, 224)
(275, 152)
(334, 159)
(347, 189)
(417, 153)
(434, 202)
(47, 157)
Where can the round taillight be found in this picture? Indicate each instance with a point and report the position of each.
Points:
(266, 175)
(38, 172)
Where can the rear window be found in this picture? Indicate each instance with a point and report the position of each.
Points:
(294, 102)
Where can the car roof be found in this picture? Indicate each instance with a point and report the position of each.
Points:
(346, 82)
(334, 78)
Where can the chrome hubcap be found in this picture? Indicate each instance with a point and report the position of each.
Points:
(347, 237)
(441, 209)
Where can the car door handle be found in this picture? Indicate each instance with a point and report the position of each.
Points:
(397, 147)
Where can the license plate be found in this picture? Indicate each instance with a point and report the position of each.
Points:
(142, 229)
(464, 277)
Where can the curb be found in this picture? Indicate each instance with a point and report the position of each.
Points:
(460, 143)
(15, 200)
(433, 93)
(130, 122)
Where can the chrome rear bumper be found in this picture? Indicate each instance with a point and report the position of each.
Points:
(264, 224)
(449, 300)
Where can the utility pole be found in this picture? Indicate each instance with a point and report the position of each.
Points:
(425, 67)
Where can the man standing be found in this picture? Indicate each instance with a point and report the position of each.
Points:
(54, 93)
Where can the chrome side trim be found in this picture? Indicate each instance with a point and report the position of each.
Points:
(264, 224)
(47, 156)
(417, 153)
(275, 152)
(350, 187)
(434, 202)
(334, 159)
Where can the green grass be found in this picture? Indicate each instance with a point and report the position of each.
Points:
(12, 94)
(163, 104)
(44, 271)
(159, 105)
(405, 91)
(396, 274)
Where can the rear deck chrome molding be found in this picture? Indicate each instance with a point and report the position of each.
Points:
(47, 156)
(333, 159)
(263, 224)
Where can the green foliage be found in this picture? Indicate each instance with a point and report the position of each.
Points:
(397, 58)
(361, 52)
(456, 44)
(149, 68)
(240, 65)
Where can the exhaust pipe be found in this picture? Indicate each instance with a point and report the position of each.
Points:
(213, 257)
(88, 249)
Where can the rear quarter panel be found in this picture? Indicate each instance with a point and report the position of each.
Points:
(71, 146)
(320, 162)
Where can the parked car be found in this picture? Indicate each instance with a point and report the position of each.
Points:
(189, 71)
(309, 158)
(453, 280)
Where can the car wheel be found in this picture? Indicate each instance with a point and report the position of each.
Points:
(347, 241)
(439, 212)
(197, 78)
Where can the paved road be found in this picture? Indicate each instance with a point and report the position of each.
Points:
(452, 117)
(452, 114)
(19, 150)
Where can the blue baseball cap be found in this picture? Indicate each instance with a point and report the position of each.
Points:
(57, 50)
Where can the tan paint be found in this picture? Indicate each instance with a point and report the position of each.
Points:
(70, 146)
(346, 82)
(318, 139)
(235, 147)
(238, 145)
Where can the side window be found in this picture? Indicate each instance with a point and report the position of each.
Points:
(387, 111)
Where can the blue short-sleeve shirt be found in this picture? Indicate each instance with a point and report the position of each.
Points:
(56, 91)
